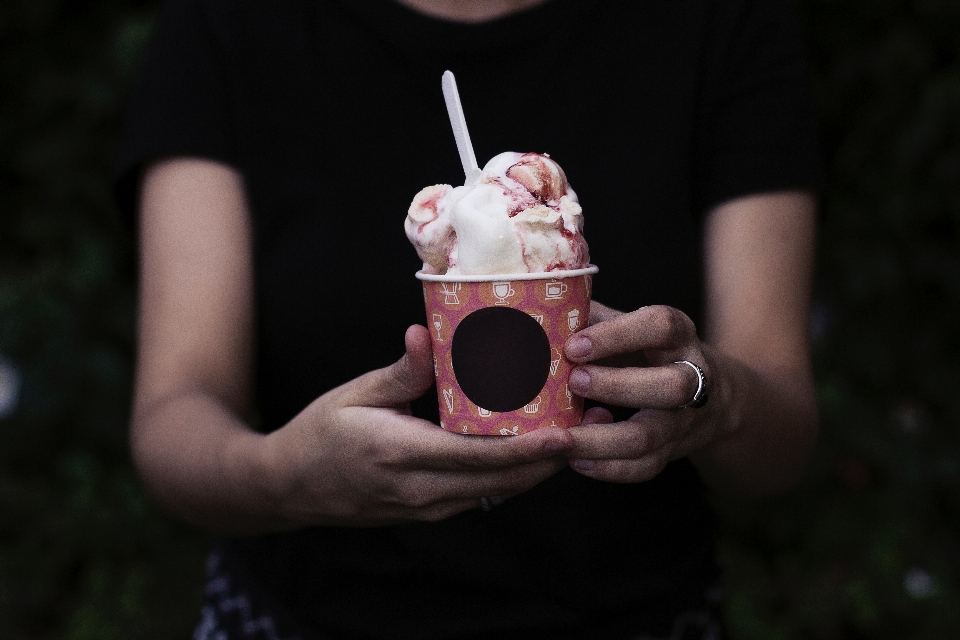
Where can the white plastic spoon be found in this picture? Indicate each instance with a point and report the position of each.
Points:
(455, 110)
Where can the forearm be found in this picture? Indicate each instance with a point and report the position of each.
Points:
(200, 462)
(758, 256)
(767, 424)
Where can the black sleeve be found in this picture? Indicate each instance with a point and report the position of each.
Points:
(181, 104)
(757, 129)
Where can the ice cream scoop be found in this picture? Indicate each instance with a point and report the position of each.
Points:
(520, 216)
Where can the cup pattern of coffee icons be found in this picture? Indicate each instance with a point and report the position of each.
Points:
(509, 428)
(501, 293)
(535, 408)
(554, 292)
(549, 422)
(467, 428)
(566, 401)
(441, 328)
(555, 359)
(558, 307)
(572, 319)
(445, 368)
(545, 320)
(560, 367)
(451, 399)
(480, 412)
(453, 295)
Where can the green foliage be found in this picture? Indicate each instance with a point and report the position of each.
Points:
(82, 553)
(868, 547)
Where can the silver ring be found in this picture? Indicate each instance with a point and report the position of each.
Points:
(487, 503)
(700, 397)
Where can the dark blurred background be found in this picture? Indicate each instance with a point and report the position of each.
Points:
(868, 547)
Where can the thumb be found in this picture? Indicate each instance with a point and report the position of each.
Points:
(405, 380)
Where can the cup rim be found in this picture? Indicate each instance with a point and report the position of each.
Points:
(503, 277)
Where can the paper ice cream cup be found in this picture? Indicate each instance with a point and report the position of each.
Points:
(498, 348)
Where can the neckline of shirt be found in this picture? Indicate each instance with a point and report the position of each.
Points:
(404, 27)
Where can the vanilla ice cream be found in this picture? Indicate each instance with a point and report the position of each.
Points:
(521, 216)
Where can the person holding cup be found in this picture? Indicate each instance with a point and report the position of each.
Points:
(269, 154)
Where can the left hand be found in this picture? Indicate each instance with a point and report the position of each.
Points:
(633, 358)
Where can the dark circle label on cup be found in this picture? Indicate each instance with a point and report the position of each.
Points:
(501, 358)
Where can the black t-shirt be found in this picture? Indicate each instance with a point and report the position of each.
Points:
(332, 110)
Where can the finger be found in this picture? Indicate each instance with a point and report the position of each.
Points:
(624, 471)
(666, 387)
(414, 444)
(404, 381)
(655, 327)
(453, 451)
(438, 449)
(403, 514)
(601, 312)
(597, 415)
(443, 510)
(436, 495)
(643, 434)
(427, 489)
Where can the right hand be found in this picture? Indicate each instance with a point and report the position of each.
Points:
(355, 457)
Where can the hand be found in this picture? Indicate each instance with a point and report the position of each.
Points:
(634, 356)
(356, 457)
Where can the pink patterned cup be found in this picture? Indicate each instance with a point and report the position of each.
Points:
(498, 348)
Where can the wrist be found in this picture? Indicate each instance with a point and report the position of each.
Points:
(277, 479)
(764, 428)
(250, 479)
(723, 410)
(722, 416)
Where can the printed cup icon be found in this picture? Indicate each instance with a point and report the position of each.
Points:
(569, 394)
(533, 406)
(437, 324)
(503, 290)
(484, 413)
(554, 360)
(448, 398)
(573, 319)
(555, 290)
(449, 292)
(538, 317)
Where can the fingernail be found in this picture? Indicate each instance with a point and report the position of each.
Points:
(579, 382)
(579, 347)
(583, 466)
